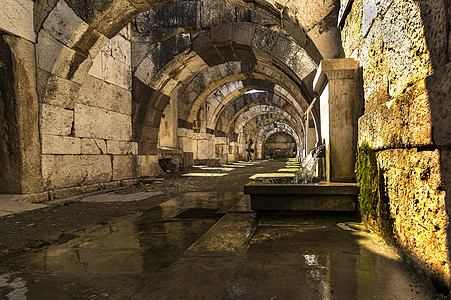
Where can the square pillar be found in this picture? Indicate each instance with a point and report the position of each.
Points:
(338, 83)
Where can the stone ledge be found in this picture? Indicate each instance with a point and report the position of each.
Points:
(339, 197)
(73, 193)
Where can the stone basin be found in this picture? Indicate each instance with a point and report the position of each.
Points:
(323, 196)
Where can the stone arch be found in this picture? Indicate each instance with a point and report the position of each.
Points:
(248, 112)
(282, 84)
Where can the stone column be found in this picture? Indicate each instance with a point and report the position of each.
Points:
(20, 153)
(167, 136)
(338, 83)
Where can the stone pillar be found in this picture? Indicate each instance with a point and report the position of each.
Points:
(167, 136)
(311, 143)
(20, 153)
(338, 83)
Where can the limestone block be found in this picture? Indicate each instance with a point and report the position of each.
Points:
(185, 143)
(404, 121)
(99, 45)
(375, 70)
(351, 33)
(147, 166)
(406, 49)
(120, 147)
(243, 33)
(96, 68)
(414, 190)
(194, 63)
(95, 122)
(16, 17)
(369, 14)
(93, 146)
(120, 49)
(187, 15)
(300, 62)
(64, 25)
(146, 70)
(54, 144)
(116, 72)
(124, 167)
(81, 72)
(435, 20)
(223, 13)
(98, 93)
(61, 92)
(55, 120)
(52, 56)
(439, 88)
(73, 170)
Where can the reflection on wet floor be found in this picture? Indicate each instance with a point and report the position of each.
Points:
(211, 246)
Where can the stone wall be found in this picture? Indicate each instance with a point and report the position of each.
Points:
(402, 47)
(86, 119)
(279, 145)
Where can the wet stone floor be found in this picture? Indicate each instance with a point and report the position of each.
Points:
(212, 246)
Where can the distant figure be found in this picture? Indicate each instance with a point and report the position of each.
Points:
(249, 149)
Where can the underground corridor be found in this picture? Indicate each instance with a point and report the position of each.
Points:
(245, 149)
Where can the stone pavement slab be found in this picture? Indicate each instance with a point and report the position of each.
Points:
(9, 205)
(111, 197)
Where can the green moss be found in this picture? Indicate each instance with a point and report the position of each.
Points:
(367, 176)
(373, 200)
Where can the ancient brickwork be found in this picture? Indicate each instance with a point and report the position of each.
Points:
(402, 56)
(86, 114)
(279, 145)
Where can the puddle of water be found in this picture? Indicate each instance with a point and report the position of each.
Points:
(117, 259)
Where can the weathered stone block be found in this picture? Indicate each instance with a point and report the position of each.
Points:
(55, 120)
(16, 17)
(146, 70)
(147, 148)
(185, 143)
(53, 144)
(221, 33)
(243, 33)
(120, 147)
(406, 49)
(96, 68)
(186, 14)
(375, 70)
(124, 167)
(147, 166)
(72, 170)
(223, 13)
(120, 48)
(98, 93)
(404, 121)
(63, 24)
(93, 146)
(61, 92)
(416, 200)
(116, 72)
(438, 87)
(52, 56)
(99, 123)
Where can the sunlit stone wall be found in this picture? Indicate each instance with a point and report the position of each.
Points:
(402, 47)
